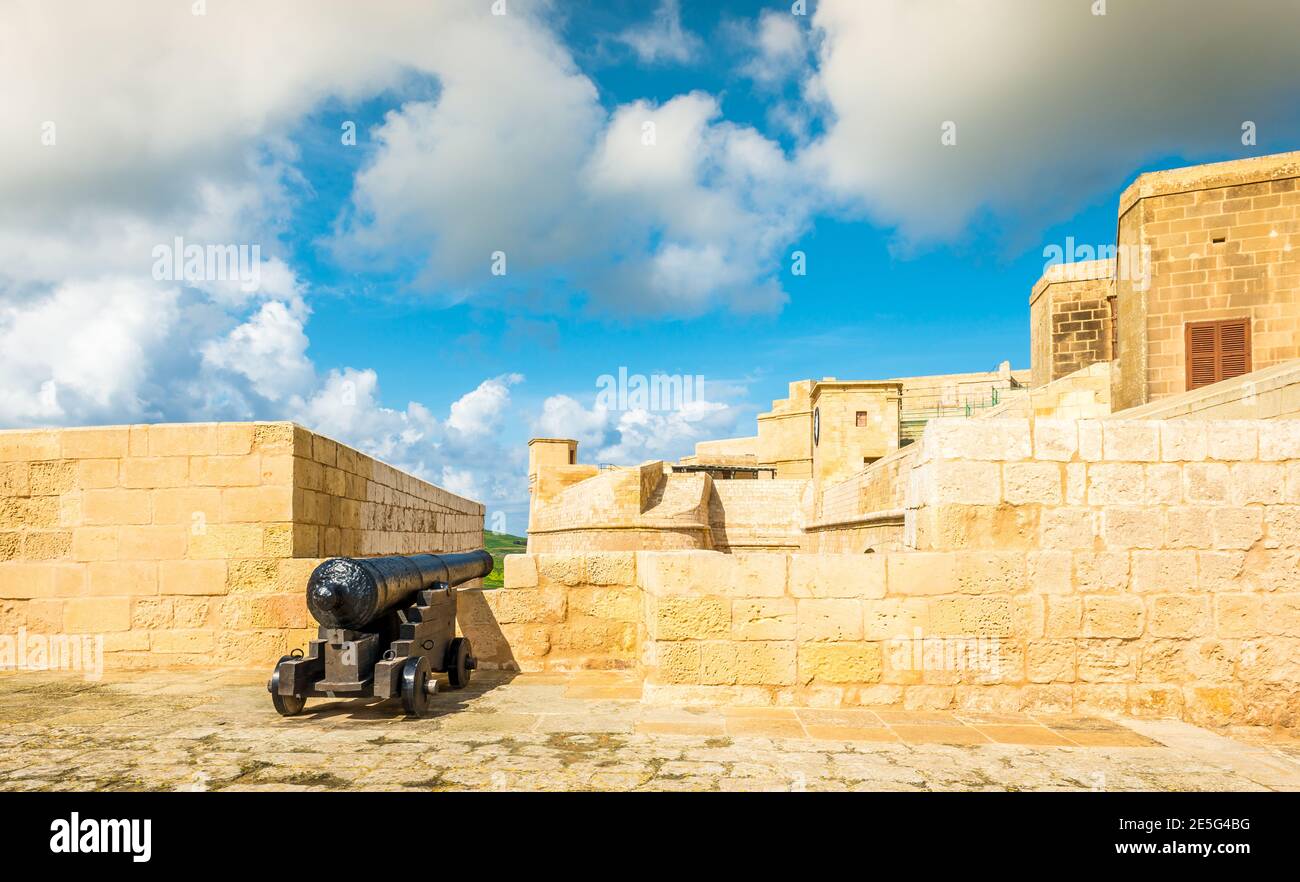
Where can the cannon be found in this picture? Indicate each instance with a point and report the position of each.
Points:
(387, 625)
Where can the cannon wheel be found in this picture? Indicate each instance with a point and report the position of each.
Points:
(460, 662)
(285, 705)
(415, 682)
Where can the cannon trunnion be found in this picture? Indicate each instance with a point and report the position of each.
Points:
(387, 625)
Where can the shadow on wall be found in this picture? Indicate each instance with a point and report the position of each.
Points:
(479, 624)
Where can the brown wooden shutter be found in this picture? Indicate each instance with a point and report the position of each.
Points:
(1216, 351)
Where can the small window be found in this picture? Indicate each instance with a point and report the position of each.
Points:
(1216, 351)
(863, 419)
(573, 457)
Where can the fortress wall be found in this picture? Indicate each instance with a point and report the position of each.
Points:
(191, 544)
(1059, 566)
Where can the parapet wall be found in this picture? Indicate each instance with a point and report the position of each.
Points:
(191, 544)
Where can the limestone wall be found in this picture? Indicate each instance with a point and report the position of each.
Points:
(1071, 566)
(191, 544)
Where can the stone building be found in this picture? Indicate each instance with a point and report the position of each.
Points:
(1204, 284)
(1116, 530)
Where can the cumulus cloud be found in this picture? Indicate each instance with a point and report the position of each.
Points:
(663, 39)
(270, 350)
(83, 350)
(655, 209)
(1049, 100)
(779, 46)
(634, 435)
(478, 414)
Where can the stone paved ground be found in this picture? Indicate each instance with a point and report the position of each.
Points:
(205, 731)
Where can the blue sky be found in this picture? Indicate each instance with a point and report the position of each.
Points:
(378, 319)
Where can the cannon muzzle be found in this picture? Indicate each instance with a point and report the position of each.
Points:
(353, 593)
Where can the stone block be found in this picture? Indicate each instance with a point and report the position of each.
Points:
(1116, 484)
(1101, 572)
(921, 573)
(836, 575)
(829, 620)
(1032, 483)
(1233, 440)
(1051, 661)
(1179, 615)
(611, 568)
(685, 572)
(1163, 572)
(94, 443)
(1050, 572)
(1090, 446)
(965, 483)
(1184, 440)
(1064, 528)
(190, 506)
(1279, 440)
(763, 618)
(1055, 440)
(125, 578)
(152, 472)
(1131, 527)
(1188, 527)
(1282, 523)
(231, 471)
(184, 439)
(895, 618)
(256, 505)
(1206, 482)
(839, 663)
(182, 641)
(961, 439)
(1236, 615)
(195, 577)
(1257, 482)
(116, 507)
(520, 571)
(1131, 440)
(690, 618)
(1236, 528)
(971, 617)
(90, 615)
(1113, 616)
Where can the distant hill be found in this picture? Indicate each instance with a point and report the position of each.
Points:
(499, 545)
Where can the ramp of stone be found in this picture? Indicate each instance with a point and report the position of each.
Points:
(756, 515)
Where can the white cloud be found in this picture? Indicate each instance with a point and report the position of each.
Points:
(663, 39)
(83, 351)
(478, 414)
(629, 437)
(1052, 103)
(780, 46)
(270, 349)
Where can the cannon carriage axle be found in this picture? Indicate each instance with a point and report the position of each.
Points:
(387, 626)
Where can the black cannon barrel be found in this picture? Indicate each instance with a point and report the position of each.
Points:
(346, 592)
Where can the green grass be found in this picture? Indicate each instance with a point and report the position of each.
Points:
(499, 545)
